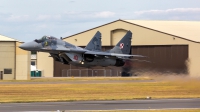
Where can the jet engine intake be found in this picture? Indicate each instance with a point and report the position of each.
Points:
(119, 62)
(64, 58)
(89, 57)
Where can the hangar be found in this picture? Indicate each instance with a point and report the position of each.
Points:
(14, 62)
(172, 46)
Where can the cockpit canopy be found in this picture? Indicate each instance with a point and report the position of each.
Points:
(44, 38)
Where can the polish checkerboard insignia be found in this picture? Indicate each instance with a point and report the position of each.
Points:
(75, 57)
(121, 46)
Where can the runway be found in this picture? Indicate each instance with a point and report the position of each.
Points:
(103, 105)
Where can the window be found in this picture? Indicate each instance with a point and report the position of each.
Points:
(33, 52)
(7, 71)
(32, 62)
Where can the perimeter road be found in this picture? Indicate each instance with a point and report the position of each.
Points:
(103, 105)
(80, 82)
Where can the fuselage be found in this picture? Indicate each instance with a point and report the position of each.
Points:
(67, 53)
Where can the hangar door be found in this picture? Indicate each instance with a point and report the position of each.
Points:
(163, 58)
(116, 35)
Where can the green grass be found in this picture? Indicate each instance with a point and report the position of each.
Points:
(99, 91)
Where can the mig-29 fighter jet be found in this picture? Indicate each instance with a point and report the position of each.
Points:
(90, 56)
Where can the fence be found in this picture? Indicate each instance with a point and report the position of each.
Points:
(91, 73)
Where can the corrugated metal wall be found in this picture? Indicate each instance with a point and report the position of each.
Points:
(7, 59)
(163, 58)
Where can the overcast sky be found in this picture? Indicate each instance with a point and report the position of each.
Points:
(26, 20)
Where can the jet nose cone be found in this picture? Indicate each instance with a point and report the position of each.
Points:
(28, 46)
(24, 46)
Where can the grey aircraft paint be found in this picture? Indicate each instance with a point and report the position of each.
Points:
(124, 45)
(95, 43)
(89, 56)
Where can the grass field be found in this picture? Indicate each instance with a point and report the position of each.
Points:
(187, 110)
(100, 91)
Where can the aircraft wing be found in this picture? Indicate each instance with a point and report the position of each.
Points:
(111, 54)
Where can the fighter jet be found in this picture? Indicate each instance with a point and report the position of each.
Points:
(90, 56)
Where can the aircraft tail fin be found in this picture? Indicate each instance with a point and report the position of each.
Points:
(95, 43)
(124, 45)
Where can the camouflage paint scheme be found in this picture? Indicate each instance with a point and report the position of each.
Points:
(90, 56)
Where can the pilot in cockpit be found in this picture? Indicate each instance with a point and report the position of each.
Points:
(44, 38)
(41, 39)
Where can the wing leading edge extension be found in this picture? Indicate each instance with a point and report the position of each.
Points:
(64, 49)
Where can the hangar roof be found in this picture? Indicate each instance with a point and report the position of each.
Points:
(189, 30)
(4, 38)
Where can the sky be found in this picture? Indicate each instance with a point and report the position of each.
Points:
(26, 20)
